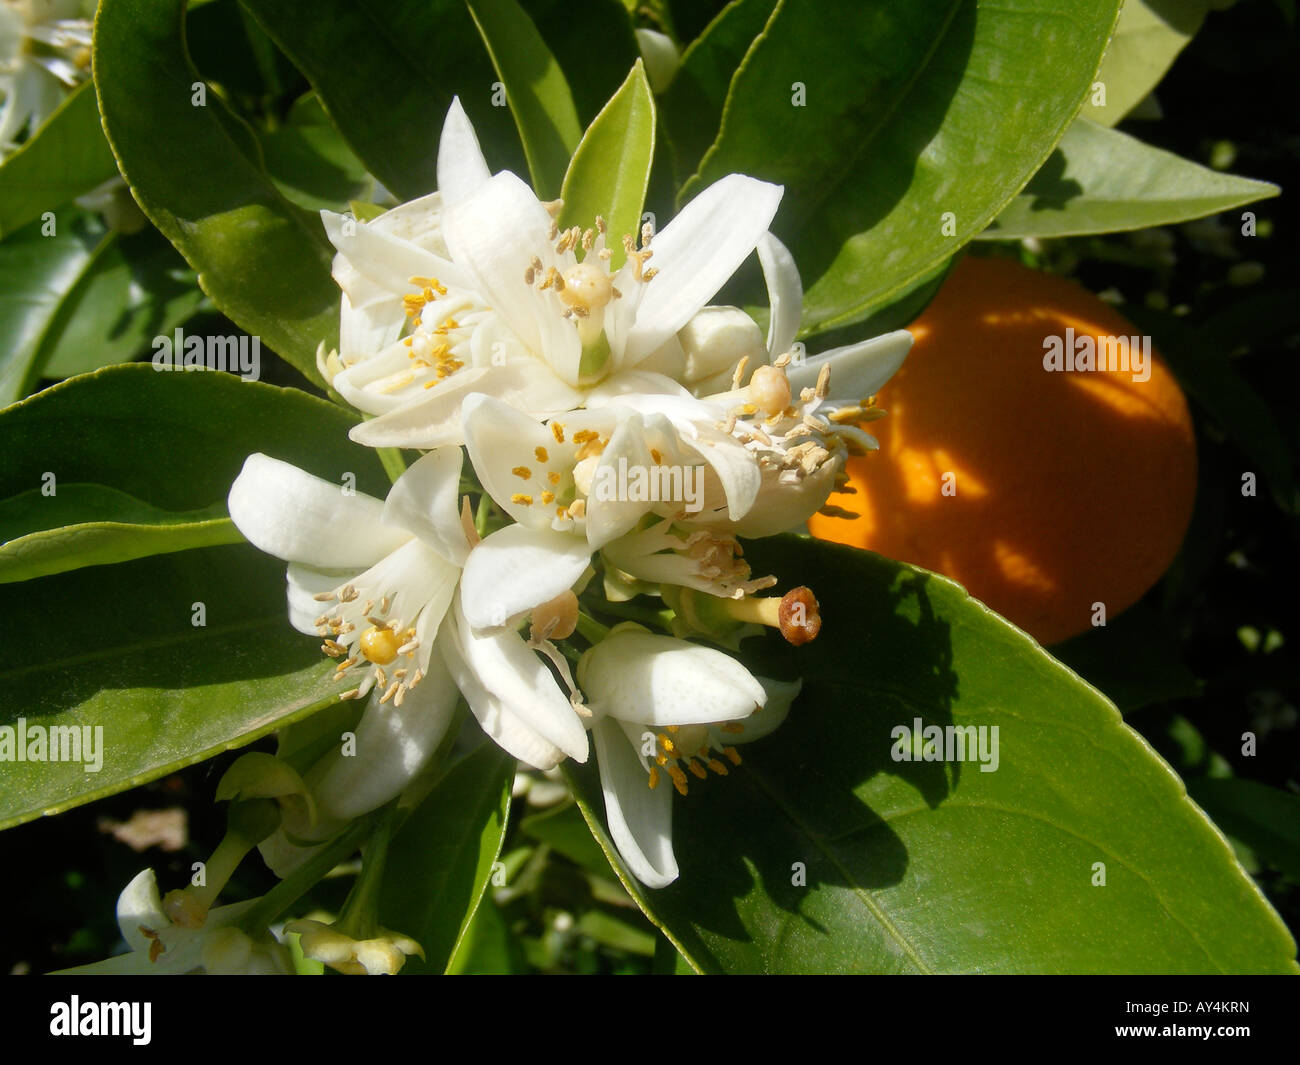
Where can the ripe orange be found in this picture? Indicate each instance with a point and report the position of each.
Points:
(1043, 493)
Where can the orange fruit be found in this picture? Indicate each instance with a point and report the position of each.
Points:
(1043, 492)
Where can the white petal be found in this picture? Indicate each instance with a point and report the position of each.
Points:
(417, 222)
(304, 584)
(363, 383)
(461, 166)
(501, 440)
(500, 723)
(639, 676)
(631, 384)
(437, 420)
(518, 568)
(640, 817)
(425, 501)
(736, 468)
(780, 695)
(857, 370)
(393, 743)
(370, 319)
(626, 455)
(139, 906)
(387, 260)
(513, 674)
(785, 507)
(288, 513)
(494, 235)
(784, 294)
(696, 254)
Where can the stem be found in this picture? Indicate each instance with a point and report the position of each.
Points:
(394, 464)
(483, 514)
(358, 918)
(303, 879)
(646, 615)
(592, 630)
(221, 867)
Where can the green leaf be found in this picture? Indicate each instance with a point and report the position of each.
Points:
(901, 134)
(614, 931)
(134, 289)
(692, 104)
(488, 947)
(593, 73)
(386, 75)
(610, 170)
(121, 653)
(564, 830)
(1100, 180)
(822, 852)
(264, 261)
(65, 158)
(1147, 40)
(1266, 819)
(162, 485)
(36, 271)
(440, 863)
(40, 535)
(536, 90)
(310, 162)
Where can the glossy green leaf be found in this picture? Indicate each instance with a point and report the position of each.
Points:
(121, 653)
(823, 852)
(565, 832)
(440, 863)
(264, 261)
(692, 104)
(310, 162)
(386, 75)
(40, 535)
(593, 73)
(1147, 40)
(134, 289)
(902, 133)
(488, 947)
(65, 158)
(78, 490)
(540, 100)
(1100, 180)
(614, 931)
(610, 171)
(36, 271)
